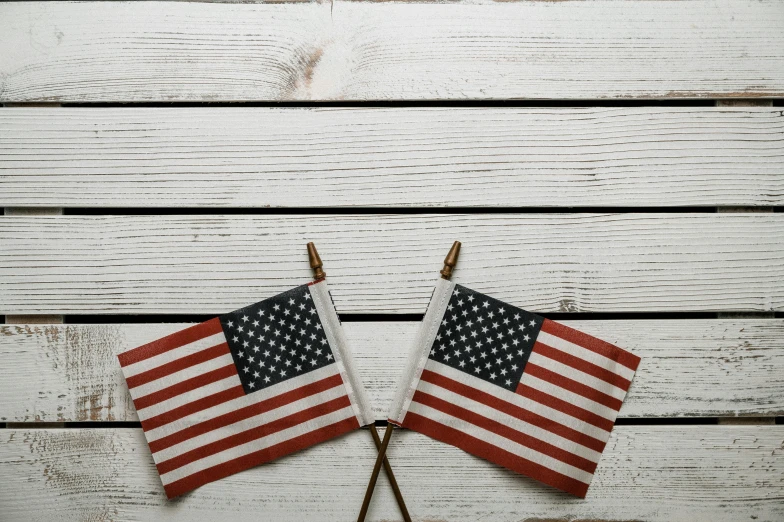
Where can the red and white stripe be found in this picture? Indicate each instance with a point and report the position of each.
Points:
(556, 425)
(200, 424)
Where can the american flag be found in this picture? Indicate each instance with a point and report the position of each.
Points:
(245, 388)
(512, 387)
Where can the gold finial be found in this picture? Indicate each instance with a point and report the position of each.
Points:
(315, 262)
(451, 260)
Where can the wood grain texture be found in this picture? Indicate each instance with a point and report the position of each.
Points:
(424, 157)
(95, 51)
(388, 263)
(689, 368)
(657, 473)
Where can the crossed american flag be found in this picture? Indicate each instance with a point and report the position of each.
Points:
(277, 376)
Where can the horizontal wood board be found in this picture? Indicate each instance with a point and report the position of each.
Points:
(389, 263)
(391, 157)
(182, 51)
(657, 473)
(689, 368)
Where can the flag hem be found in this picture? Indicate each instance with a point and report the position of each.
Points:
(421, 350)
(343, 357)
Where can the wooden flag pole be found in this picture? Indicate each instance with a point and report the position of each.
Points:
(318, 274)
(446, 273)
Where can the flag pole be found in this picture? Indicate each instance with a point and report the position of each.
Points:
(446, 273)
(318, 274)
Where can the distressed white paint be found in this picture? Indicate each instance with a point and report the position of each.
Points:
(97, 51)
(689, 368)
(389, 263)
(442, 157)
(657, 473)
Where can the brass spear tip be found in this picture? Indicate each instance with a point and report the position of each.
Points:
(451, 260)
(315, 262)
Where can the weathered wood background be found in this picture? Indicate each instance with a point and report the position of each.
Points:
(618, 165)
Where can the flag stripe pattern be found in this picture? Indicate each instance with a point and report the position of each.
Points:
(519, 390)
(243, 389)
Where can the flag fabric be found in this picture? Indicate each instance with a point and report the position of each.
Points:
(245, 388)
(512, 387)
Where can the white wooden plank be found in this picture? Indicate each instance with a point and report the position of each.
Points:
(657, 473)
(95, 51)
(689, 367)
(388, 263)
(441, 157)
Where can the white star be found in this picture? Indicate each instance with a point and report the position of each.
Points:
(288, 363)
(475, 308)
(307, 347)
(472, 359)
(329, 356)
(256, 375)
(318, 351)
(244, 318)
(298, 367)
(266, 378)
(526, 337)
(236, 339)
(532, 323)
(307, 296)
(509, 357)
(443, 322)
(246, 369)
(318, 326)
(470, 298)
(251, 385)
(517, 317)
(282, 373)
(230, 323)
(286, 311)
(492, 376)
(240, 354)
(515, 342)
(460, 302)
(261, 313)
(485, 304)
(307, 321)
(476, 370)
(508, 382)
(446, 357)
(462, 364)
(514, 367)
(266, 328)
(302, 306)
(312, 310)
(245, 344)
(314, 362)
(503, 371)
(277, 358)
(255, 323)
(291, 301)
(255, 348)
(506, 320)
(240, 329)
(276, 307)
(251, 359)
(323, 340)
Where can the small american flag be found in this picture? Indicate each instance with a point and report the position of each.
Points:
(509, 386)
(245, 388)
